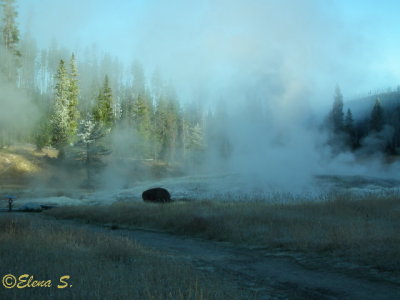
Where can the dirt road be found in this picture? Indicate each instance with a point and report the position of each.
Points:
(274, 275)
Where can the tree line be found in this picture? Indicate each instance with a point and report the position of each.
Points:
(375, 133)
(87, 105)
(84, 103)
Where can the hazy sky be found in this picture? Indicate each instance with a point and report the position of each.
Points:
(307, 46)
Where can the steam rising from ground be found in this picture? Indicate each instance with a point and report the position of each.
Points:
(18, 113)
(273, 63)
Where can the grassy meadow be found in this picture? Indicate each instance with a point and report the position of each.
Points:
(100, 266)
(362, 229)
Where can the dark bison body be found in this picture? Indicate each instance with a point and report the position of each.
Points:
(156, 195)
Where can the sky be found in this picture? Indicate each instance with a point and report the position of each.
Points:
(304, 47)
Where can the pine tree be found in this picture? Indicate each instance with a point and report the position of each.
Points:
(141, 115)
(42, 134)
(141, 122)
(349, 122)
(73, 96)
(167, 119)
(350, 129)
(126, 106)
(170, 119)
(59, 120)
(103, 111)
(195, 139)
(194, 144)
(376, 121)
(9, 39)
(160, 128)
(337, 112)
(89, 149)
(9, 29)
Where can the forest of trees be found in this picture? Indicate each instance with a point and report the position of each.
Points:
(82, 102)
(375, 133)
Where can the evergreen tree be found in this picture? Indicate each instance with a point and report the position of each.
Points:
(349, 122)
(196, 138)
(60, 121)
(88, 149)
(395, 123)
(126, 105)
(376, 121)
(9, 28)
(350, 129)
(42, 134)
(103, 112)
(167, 119)
(337, 112)
(9, 39)
(191, 132)
(141, 115)
(73, 96)
(161, 129)
(172, 124)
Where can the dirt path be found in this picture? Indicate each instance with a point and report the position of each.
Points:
(273, 275)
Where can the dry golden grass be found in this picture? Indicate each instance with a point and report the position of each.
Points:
(21, 163)
(100, 266)
(364, 229)
(16, 165)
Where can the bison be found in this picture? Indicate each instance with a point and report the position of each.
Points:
(159, 195)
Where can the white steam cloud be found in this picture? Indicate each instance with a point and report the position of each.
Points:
(274, 64)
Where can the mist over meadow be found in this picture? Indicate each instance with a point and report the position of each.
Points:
(136, 91)
(215, 149)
